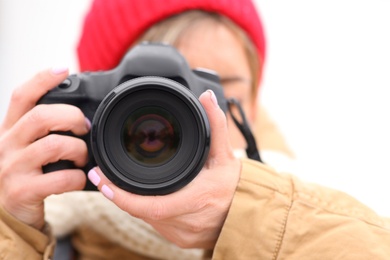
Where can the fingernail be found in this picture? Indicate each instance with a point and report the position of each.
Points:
(59, 70)
(107, 192)
(94, 177)
(213, 98)
(88, 123)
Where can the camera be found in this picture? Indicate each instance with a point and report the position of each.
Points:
(150, 134)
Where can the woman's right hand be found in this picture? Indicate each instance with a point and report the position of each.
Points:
(26, 144)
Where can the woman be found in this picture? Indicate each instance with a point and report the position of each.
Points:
(237, 208)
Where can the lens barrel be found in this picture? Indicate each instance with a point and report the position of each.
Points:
(150, 135)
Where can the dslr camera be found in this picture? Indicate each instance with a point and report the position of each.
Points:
(150, 135)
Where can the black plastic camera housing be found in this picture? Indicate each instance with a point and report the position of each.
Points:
(150, 135)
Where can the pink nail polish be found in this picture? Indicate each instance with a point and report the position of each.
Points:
(107, 192)
(88, 123)
(59, 70)
(213, 98)
(94, 177)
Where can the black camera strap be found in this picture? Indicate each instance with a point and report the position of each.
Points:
(251, 150)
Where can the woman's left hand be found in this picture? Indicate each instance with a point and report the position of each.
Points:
(193, 216)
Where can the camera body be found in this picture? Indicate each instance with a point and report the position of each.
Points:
(150, 135)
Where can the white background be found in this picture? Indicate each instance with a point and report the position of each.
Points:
(326, 82)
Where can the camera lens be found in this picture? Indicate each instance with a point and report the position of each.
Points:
(151, 136)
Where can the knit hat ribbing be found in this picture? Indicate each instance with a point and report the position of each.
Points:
(112, 26)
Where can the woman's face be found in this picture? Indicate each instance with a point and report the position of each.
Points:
(214, 46)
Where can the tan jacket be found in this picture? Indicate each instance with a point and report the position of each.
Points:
(273, 216)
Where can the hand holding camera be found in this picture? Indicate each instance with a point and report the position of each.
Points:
(25, 146)
(193, 216)
(150, 135)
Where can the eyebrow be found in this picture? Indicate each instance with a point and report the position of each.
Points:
(233, 79)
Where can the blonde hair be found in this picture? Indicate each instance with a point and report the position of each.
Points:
(173, 28)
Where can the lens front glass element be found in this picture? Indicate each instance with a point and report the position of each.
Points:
(151, 136)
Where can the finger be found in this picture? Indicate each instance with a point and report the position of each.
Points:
(26, 96)
(43, 119)
(145, 207)
(53, 148)
(220, 144)
(56, 183)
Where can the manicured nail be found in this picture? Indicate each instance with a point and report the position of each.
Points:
(88, 123)
(59, 70)
(213, 98)
(94, 177)
(107, 192)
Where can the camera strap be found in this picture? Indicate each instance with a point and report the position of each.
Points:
(251, 150)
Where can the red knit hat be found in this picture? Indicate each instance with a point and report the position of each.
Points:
(111, 26)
